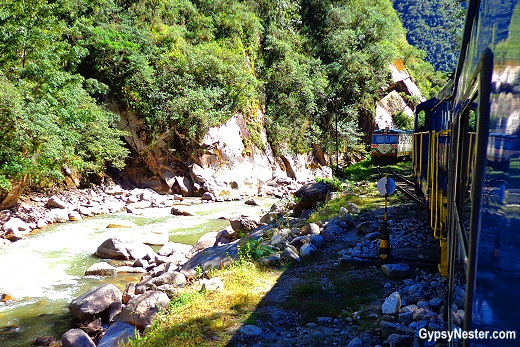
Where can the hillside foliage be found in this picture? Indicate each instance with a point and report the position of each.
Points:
(434, 26)
(312, 66)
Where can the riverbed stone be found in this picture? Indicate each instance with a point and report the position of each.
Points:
(156, 238)
(56, 202)
(174, 247)
(15, 229)
(142, 309)
(211, 257)
(175, 278)
(243, 223)
(205, 241)
(76, 338)
(138, 250)
(101, 269)
(113, 248)
(179, 211)
(95, 301)
(121, 224)
(310, 194)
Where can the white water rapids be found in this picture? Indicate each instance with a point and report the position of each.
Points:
(45, 272)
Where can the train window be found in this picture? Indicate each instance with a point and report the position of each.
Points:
(471, 121)
(421, 119)
(384, 139)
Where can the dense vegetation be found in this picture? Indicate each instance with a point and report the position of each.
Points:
(434, 26)
(183, 66)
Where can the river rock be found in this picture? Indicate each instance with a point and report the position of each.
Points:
(55, 202)
(125, 269)
(101, 269)
(76, 338)
(205, 241)
(243, 223)
(174, 278)
(138, 250)
(15, 229)
(250, 330)
(156, 238)
(174, 247)
(212, 257)
(58, 215)
(75, 216)
(121, 224)
(179, 211)
(356, 342)
(117, 333)
(142, 309)
(113, 248)
(95, 301)
(254, 202)
(310, 194)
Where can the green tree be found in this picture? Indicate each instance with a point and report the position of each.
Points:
(49, 122)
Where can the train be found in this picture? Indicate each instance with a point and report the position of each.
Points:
(389, 146)
(466, 166)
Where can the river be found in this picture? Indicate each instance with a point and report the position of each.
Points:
(45, 271)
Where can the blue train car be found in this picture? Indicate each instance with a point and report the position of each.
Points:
(466, 163)
(390, 146)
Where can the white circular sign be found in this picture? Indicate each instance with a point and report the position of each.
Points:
(385, 186)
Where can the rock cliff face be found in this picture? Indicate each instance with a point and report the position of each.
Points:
(393, 102)
(229, 164)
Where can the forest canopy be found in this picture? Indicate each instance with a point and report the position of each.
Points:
(312, 66)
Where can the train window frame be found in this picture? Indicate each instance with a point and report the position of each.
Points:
(478, 93)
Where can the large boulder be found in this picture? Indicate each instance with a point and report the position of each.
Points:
(174, 247)
(141, 310)
(243, 223)
(113, 248)
(95, 301)
(211, 257)
(116, 248)
(15, 228)
(205, 241)
(310, 194)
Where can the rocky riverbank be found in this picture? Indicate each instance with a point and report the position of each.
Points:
(35, 211)
(409, 298)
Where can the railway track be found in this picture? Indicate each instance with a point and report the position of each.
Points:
(403, 184)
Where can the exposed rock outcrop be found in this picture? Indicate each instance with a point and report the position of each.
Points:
(229, 164)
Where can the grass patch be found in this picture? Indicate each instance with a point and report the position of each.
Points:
(338, 294)
(365, 197)
(207, 319)
(359, 171)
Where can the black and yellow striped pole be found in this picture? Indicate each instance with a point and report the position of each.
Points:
(385, 186)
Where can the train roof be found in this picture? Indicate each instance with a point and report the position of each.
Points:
(392, 131)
